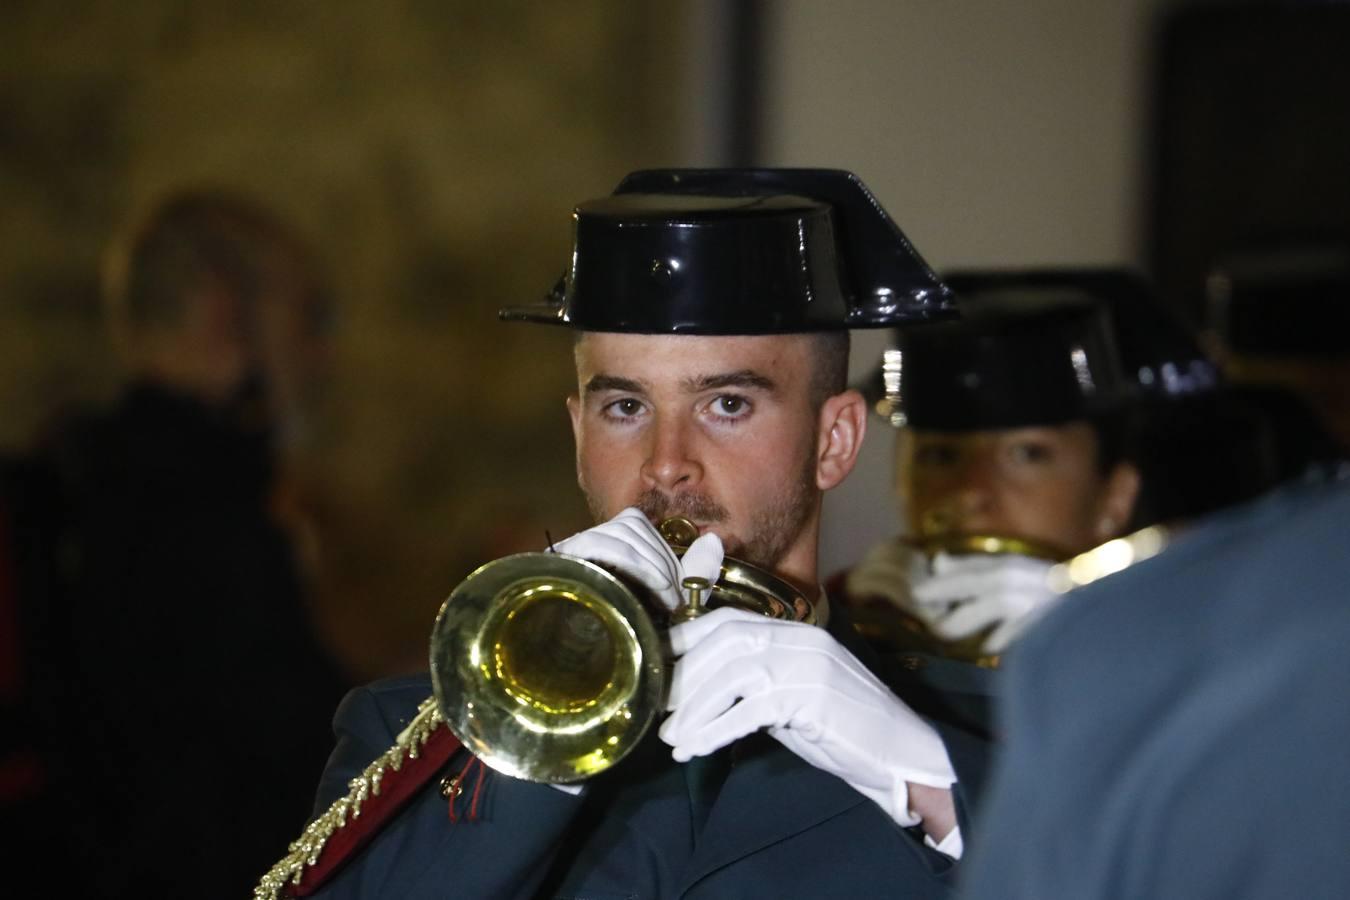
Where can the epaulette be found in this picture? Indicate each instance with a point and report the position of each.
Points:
(381, 790)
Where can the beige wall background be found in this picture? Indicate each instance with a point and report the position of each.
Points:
(996, 134)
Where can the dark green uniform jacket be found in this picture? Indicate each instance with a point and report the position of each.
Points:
(779, 827)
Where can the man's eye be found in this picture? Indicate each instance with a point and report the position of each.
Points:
(624, 408)
(1028, 452)
(730, 406)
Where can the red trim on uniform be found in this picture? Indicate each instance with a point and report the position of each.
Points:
(396, 789)
(477, 789)
(459, 781)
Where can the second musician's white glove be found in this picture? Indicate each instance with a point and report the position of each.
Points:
(633, 546)
(888, 572)
(739, 672)
(974, 592)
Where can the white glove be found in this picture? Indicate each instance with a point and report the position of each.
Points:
(633, 546)
(739, 672)
(888, 571)
(965, 594)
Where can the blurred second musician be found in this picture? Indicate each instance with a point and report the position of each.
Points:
(1011, 454)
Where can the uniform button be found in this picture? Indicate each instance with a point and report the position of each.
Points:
(912, 663)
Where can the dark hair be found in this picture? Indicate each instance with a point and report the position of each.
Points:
(829, 375)
(193, 239)
(1206, 452)
(1117, 439)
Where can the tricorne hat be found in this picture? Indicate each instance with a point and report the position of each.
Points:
(1029, 337)
(739, 251)
(1023, 361)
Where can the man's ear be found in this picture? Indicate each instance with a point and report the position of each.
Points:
(842, 425)
(1118, 499)
(574, 411)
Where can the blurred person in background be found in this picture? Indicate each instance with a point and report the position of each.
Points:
(173, 666)
(1013, 452)
(1217, 767)
(1067, 409)
(1109, 418)
(1198, 445)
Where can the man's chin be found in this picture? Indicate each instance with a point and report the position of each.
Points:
(762, 554)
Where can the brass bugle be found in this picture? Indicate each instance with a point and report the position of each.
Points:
(898, 630)
(940, 531)
(957, 544)
(895, 630)
(550, 668)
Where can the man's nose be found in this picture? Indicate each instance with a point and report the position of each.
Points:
(976, 491)
(672, 461)
(967, 502)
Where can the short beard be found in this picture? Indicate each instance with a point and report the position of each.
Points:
(773, 530)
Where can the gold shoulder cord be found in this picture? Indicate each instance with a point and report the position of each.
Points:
(305, 850)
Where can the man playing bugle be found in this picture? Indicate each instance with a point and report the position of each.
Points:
(711, 311)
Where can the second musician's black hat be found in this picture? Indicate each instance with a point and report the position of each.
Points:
(1159, 356)
(739, 251)
(1019, 361)
(1033, 340)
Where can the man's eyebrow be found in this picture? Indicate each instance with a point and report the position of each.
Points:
(745, 378)
(613, 383)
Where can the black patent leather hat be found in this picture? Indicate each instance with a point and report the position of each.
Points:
(1021, 327)
(739, 251)
(1160, 356)
(1035, 361)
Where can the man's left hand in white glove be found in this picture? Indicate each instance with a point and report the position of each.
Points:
(632, 545)
(739, 672)
(1008, 592)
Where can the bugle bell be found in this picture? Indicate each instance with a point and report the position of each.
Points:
(550, 668)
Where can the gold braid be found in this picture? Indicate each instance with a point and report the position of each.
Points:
(304, 850)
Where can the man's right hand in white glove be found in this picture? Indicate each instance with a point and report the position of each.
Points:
(631, 545)
(739, 672)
